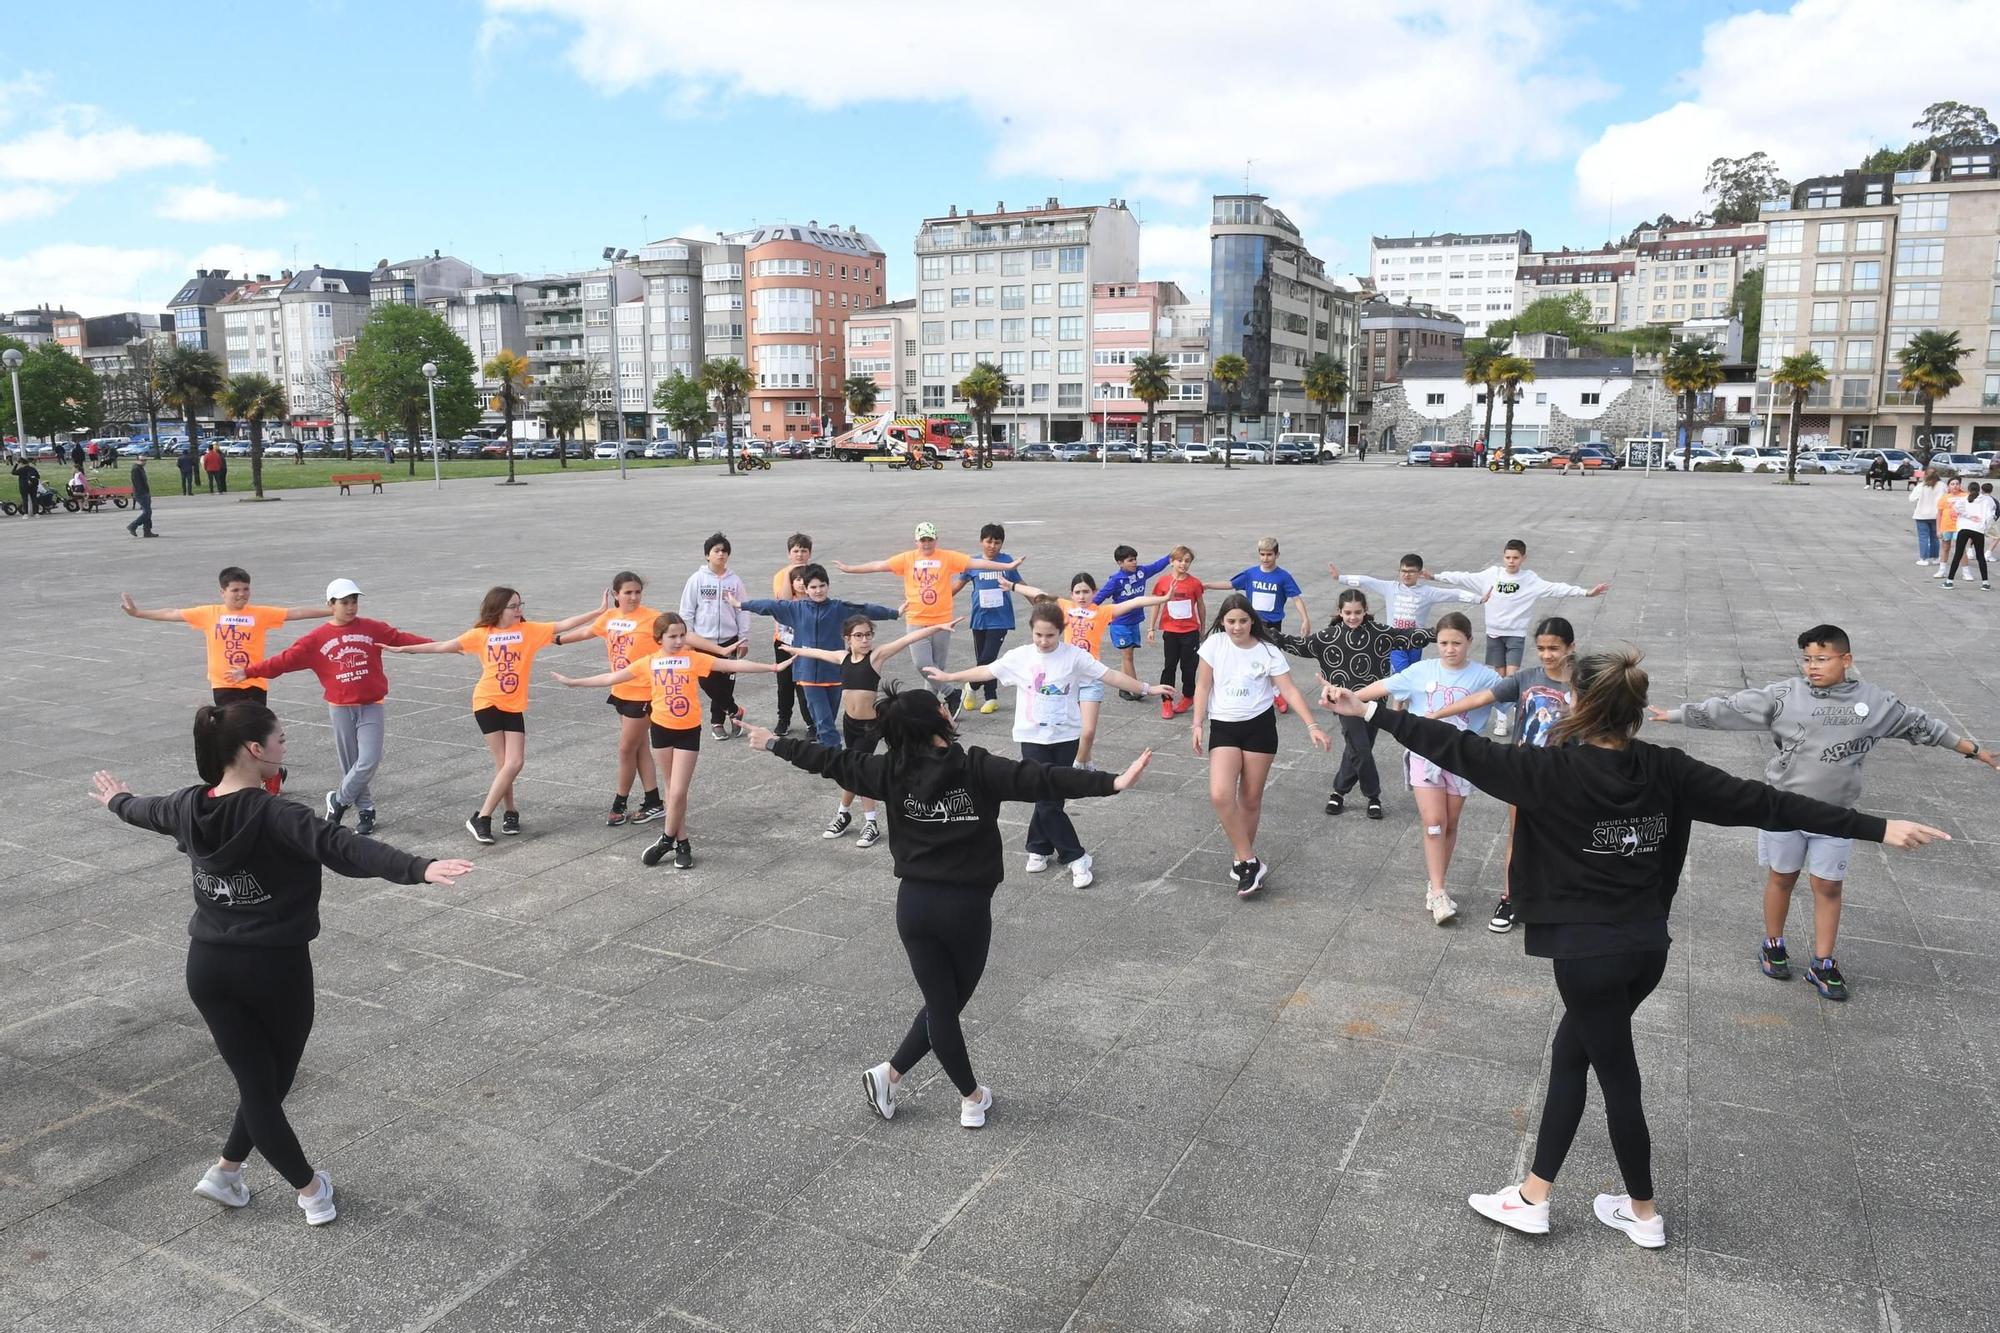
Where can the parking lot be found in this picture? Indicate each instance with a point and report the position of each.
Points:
(574, 1093)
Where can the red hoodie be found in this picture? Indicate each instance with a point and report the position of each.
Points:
(346, 658)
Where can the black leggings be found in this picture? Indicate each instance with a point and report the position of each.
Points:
(1182, 647)
(1599, 996)
(720, 687)
(986, 646)
(1977, 541)
(258, 1004)
(790, 692)
(946, 930)
(1357, 759)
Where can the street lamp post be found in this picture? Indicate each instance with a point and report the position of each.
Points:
(12, 357)
(430, 392)
(617, 391)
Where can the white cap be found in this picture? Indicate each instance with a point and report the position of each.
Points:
(340, 588)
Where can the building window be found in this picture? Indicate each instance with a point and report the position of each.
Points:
(933, 300)
(933, 395)
(1012, 298)
(1014, 263)
(1069, 395)
(1827, 277)
(985, 262)
(1591, 399)
(1038, 393)
(1924, 212)
(1779, 276)
(1069, 295)
(961, 362)
(1826, 317)
(1785, 238)
(1071, 257)
(1012, 330)
(1919, 259)
(1433, 400)
(961, 296)
(1044, 293)
(1041, 326)
(1915, 301)
(1860, 355)
(1867, 275)
(982, 296)
(961, 329)
(1069, 328)
(933, 267)
(1832, 237)
(961, 263)
(933, 333)
(1069, 361)
(934, 364)
(1861, 316)
(1044, 259)
(1868, 234)
(1012, 363)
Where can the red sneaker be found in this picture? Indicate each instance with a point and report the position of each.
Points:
(1167, 709)
(1182, 704)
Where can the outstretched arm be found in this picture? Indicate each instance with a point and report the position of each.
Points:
(1135, 603)
(602, 680)
(1132, 684)
(864, 775)
(866, 567)
(440, 646)
(582, 618)
(308, 612)
(980, 562)
(735, 664)
(132, 608)
(894, 646)
(969, 675)
(1470, 703)
(1745, 710)
(821, 654)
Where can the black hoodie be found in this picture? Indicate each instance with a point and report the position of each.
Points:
(943, 806)
(1603, 833)
(257, 859)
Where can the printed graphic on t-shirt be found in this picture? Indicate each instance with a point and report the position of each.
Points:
(503, 650)
(1507, 587)
(672, 684)
(1542, 706)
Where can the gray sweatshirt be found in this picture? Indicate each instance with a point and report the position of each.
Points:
(1822, 735)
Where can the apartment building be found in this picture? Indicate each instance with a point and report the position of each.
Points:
(108, 339)
(253, 333)
(1013, 287)
(1394, 335)
(804, 286)
(194, 305)
(420, 281)
(1603, 276)
(1471, 275)
(568, 326)
(1858, 265)
(34, 327)
(882, 344)
(1272, 304)
(1659, 276)
(1183, 340)
(1126, 320)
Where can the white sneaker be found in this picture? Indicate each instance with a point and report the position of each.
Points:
(1922, 561)
(1509, 1209)
(1940, 572)
(1079, 872)
(1615, 1211)
(973, 1114)
(880, 1090)
(1037, 863)
(319, 1205)
(225, 1187)
(1441, 907)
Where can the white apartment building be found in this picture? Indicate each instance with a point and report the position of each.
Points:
(882, 344)
(253, 337)
(1471, 275)
(322, 311)
(1014, 288)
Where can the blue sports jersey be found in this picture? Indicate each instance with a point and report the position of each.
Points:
(1268, 592)
(1123, 587)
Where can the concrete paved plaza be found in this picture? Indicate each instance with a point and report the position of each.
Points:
(573, 1093)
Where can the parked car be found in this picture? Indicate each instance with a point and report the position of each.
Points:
(1250, 451)
(235, 448)
(613, 448)
(1902, 463)
(1699, 455)
(1311, 448)
(1291, 453)
(538, 449)
(1072, 453)
(1000, 451)
(1965, 465)
(1121, 452)
(1991, 457)
(1453, 455)
(1038, 453)
(665, 449)
(1837, 460)
(1188, 453)
(790, 449)
(125, 449)
(1418, 456)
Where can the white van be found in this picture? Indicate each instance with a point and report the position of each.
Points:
(1310, 446)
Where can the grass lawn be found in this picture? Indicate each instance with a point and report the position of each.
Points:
(285, 474)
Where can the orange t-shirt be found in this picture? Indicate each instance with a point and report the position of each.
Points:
(1084, 624)
(781, 591)
(505, 658)
(627, 638)
(1947, 517)
(235, 639)
(670, 680)
(927, 583)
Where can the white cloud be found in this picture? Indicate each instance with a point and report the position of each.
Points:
(78, 150)
(30, 201)
(1176, 252)
(106, 279)
(209, 203)
(1816, 86)
(1266, 83)
(20, 93)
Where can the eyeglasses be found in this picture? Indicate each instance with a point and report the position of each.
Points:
(1819, 661)
(515, 605)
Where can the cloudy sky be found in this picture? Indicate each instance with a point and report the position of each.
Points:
(137, 143)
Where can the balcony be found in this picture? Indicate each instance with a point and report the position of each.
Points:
(1068, 235)
(1989, 400)
(555, 354)
(574, 301)
(566, 329)
(1899, 398)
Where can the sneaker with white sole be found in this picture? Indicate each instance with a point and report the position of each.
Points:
(1509, 1209)
(318, 1205)
(1037, 863)
(1079, 872)
(335, 811)
(1442, 909)
(973, 1114)
(968, 701)
(1503, 917)
(1250, 876)
(1615, 1211)
(837, 825)
(880, 1090)
(225, 1187)
(871, 833)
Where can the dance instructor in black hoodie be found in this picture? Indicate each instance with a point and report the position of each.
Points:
(257, 861)
(1598, 849)
(943, 804)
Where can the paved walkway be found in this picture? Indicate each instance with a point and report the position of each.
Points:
(576, 1094)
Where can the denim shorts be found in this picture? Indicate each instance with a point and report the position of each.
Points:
(1090, 691)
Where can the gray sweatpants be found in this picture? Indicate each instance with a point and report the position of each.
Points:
(931, 651)
(357, 743)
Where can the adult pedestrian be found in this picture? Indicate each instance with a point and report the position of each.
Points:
(28, 477)
(1599, 845)
(76, 456)
(221, 468)
(1924, 512)
(142, 500)
(187, 463)
(943, 806)
(211, 466)
(256, 862)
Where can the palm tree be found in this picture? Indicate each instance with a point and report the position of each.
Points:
(1930, 370)
(1693, 367)
(1152, 381)
(982, 388)
(1228, 371)
(1510, 373)
(509, 370)
(1479, 358)
(1326, 384)
(188, 380)
(860, 391)
(725, 378)
(1800, 375)
(253, 399)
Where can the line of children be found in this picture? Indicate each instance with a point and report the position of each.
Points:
(1510, 593)
(929, 572)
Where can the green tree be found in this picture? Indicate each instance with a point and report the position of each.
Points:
(253, 399)
(1152, 381)
(1325, 383)
(1747, 304)
(1568, 315)
(1510, 373)
(189, 380)
(1948, 125)
(982, 389)
(1740, 185)
(1930, 371)
(1799, 375)
(509, 372)
(59, 394)
(1693, 367)
(385, 374)
(1228, 371)
(860, 391)
(685, 406)
(725, 379)
(1480, 356)
(568, 400)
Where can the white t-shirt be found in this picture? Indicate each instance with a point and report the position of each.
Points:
(1244, 677)
(1046, 711)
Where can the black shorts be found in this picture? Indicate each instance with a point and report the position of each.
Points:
(1259, 735)
(241, 694)
(674, 738)
(491, 720)
(859, 736)
(629, 707)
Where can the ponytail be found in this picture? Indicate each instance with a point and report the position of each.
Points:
(912, 720)
(220, 733)
(1610, 699)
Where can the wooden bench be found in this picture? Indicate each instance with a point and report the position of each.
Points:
(347, 479)
(95, 496)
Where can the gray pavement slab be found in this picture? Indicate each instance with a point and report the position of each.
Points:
(575, 1093)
